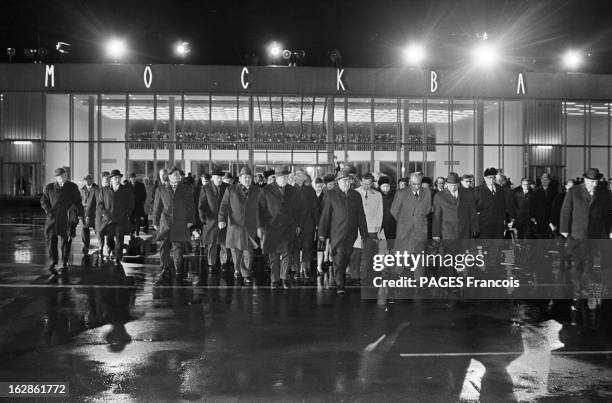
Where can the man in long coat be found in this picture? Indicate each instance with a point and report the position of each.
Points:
(238, 213)
(115, 204)
(454, 216)
(585, 222)
(211, 196)
(88, 195)
(58, 197)
(92, 209)
(309, 219)
(173, 216)
(140, 197)
(342, 220)
(411, 208)
(278, 224)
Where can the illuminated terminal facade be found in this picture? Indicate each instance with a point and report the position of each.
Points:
(139, 118)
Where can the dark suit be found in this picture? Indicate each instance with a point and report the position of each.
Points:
(88, 196)
(454, 218)
(114, 209)
(56, 201)
(172, 211)
(140, 198)
(238, 210)
(279, 215)
(587, 220)
(491, 211)
(308, 224)
(342, 219)
(543, 200)
(208, 208)
(524, 211)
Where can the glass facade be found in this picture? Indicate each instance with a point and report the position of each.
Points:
(91, 133)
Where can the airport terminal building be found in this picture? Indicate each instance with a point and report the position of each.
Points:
(91, 118)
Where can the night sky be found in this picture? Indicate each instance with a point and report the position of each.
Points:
(368, 33)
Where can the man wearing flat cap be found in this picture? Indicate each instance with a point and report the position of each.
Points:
(115, 204)
(278, 224)
(585, 222)
(342, 220)
(57, 199)
(238, 212)
(88, 195)
(211, 196)
(173, 216)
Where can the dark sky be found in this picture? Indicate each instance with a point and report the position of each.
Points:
(368, 33)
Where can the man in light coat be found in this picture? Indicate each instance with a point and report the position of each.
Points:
(238, 213)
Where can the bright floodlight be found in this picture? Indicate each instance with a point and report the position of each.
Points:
(182, 49)
(485, 55)
(116, 48)
(572, 59)
(275, 50)
(414, 54)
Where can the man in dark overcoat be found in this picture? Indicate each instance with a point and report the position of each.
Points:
(585, 222)
(115, 204)
(173, 217)
(302, 252)
(454, 216)
(88, 195)
(140, 197)
(523, 199)
(210, 199)
(57, 199)
(492, 207)
(278, 224)
(238, 213)
(544, 197)
(341, 221)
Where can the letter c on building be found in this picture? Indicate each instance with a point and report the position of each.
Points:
(244, 78)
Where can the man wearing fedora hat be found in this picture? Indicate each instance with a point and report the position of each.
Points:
(115, 204)
(454, 215)
(237, 212)
(341, 221)
(209, 202)
(278, 224)
(173, 216)
(88, 195)
(57, 199)
(585, 222)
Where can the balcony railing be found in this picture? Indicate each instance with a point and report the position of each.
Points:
(274, 146)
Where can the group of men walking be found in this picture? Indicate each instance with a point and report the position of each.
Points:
(345, 218)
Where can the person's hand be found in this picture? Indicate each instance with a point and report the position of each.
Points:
(565, 234)
(87, 221)
(533, 220)
(156, 228)
(189, 225)
(610, 235)
(222, 225)
(297, 231)
(260, 233)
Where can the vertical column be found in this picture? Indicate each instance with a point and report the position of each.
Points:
(372, 135)
(99, 118)
(91, 134)
(479, 137)
(71, 134)
(126, 144)
(345, 126)
(398, 139)
(172, 131)
(406, 136)
(425, 139)
(331, 137)
(251, 135)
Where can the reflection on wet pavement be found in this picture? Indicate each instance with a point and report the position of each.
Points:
(114, 335)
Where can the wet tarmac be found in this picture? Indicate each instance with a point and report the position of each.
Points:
(115, 335)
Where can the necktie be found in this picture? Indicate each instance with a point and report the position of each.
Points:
(416, 195)
(493, 190)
